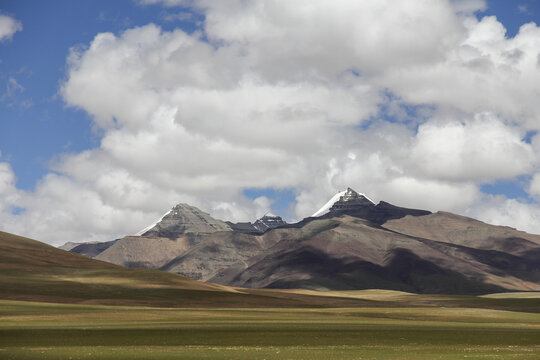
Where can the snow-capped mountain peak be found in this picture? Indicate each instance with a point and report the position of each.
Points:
(326, 207)
(343, 199)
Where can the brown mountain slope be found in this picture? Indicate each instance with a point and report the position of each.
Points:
(218, 251)
(197, 256)
(351, 253)
(461, 230)
(33, 271)
(146, 252)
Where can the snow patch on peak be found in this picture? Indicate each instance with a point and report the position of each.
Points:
(139, 233)
(268, 221)
(326, 207)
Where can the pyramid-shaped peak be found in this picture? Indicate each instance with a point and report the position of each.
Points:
(351, 201)
(344, 200)
(268, 221)
(182, 219)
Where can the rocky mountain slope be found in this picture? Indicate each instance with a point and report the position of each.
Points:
(184, 219)
(350, 243)
(186, 241)
(267, 222)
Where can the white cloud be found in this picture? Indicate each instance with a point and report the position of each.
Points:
(499, 210)
(8, 27)
(383, 176)
(522, 8)
(9, 195)
(289, 40)
(181, 16)
(12, 91)
(482, 148)
(486, 72)
(430, 194)
(293, 95)
(468, 7)
(534, 186)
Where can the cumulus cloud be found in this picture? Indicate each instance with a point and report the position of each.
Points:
(412, 102)
(8, 27)
(291, 40)
(499, 210)
(481, 148)
(534, 186)
(486, 72)
(8, 192)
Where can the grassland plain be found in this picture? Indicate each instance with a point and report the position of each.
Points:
(30, 330)
(59, 305)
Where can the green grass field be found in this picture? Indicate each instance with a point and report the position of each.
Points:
(61, 331)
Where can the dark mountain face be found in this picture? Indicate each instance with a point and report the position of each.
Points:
(378, 214)
(260, 226)
(351, 243)
(404, 271)
(269, 221)
(357, 205)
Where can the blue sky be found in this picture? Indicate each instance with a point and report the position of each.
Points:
(40, 126)
(36, 123)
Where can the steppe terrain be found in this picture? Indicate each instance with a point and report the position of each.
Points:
(59, 305)
(59, 331)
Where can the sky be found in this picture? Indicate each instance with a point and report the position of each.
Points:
(112, 112)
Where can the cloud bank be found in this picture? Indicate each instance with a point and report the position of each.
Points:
(414, 102)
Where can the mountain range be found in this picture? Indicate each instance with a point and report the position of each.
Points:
(33, 271)
(350, 243)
